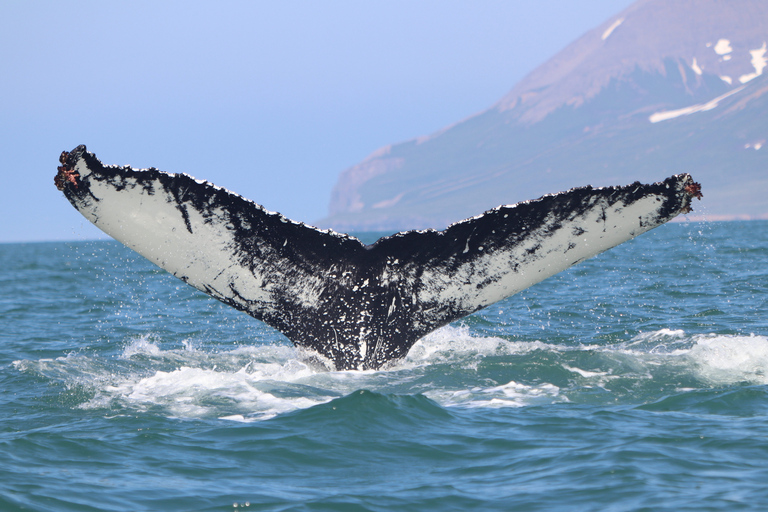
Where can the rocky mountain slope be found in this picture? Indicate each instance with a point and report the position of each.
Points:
(661, 88)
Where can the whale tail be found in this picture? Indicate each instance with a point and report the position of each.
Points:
(358, 306)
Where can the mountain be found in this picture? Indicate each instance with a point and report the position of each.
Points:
(661, 88)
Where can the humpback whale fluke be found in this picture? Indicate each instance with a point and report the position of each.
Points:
(358, 306)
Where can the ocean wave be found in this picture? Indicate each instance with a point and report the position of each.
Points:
(456, 344)
(730, 359)
(451, 366)
(716, 359)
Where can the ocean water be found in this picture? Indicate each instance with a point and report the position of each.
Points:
(637, 380)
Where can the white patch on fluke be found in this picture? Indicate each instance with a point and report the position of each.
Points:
(546, 251)
(153, 225)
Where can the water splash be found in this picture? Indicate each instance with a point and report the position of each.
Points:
(451, 366)
(724, 359)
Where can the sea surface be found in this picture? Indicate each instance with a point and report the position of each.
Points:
(637, 380)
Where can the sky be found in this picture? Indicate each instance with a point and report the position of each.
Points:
(271, 100)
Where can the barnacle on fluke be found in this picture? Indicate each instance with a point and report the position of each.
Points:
(65, 172)
(356, 306)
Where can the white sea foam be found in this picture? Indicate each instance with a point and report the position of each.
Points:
(716, 359)
(457, 346)
(253, 383)
(730, 359)
(586, 373)
(457, 343)
(143, 345)
(663, 341)
(243, 384)
(195, 392)
(511, 394)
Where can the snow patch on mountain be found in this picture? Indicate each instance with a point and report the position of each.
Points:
(759, 61)
(695, 67)
(702, 107)
(610, 29)
(723, 47)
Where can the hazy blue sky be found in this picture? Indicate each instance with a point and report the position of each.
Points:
(271, 100)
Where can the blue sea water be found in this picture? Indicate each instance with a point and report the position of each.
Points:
(637, 380)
